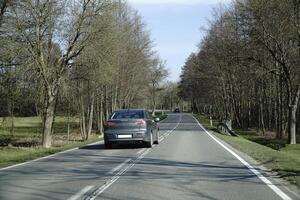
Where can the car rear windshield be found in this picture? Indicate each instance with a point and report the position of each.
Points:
(128, 114)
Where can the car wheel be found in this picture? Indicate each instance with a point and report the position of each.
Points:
(157, 138)
(107, 145)
(150, 143)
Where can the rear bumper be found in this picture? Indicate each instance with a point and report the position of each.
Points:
(131, 137)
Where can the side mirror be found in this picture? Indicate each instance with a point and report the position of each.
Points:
(156, 119)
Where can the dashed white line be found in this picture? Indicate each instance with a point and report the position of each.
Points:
(116, 177)
(81, 192)
(119, 166)
(140, 151)
(170, 131)
(161, 139)
(250, 167)
(126, 166)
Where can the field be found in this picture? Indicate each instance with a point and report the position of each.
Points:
(24, 143)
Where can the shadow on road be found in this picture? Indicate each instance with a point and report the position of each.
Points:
(92, 165)
(93, 147)
(115, 146)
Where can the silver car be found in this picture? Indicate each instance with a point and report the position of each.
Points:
(131, 125)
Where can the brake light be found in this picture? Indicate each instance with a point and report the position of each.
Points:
(109, 124)
(140, 122)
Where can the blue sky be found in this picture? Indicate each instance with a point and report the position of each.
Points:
(176, 27)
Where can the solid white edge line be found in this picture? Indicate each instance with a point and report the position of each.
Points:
(42, 158)
(81, 192)
(250, 167)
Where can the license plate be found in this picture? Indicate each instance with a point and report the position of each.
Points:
(124, 136)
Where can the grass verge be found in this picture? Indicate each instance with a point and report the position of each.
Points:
(24, 143)
(286, 161)
(160, 115)
(12, 155)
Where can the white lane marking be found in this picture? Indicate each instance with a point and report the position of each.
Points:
(45, 157)
(122, 171)
(81, 192)
(250, 167)
(161, 139)
(166, 134)
(119, 166)
(116, 177)
(140, 151)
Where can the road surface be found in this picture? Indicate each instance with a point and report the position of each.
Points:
(189, 163)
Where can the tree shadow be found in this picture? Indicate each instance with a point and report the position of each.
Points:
(64, 170)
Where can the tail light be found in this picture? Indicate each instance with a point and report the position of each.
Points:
(140, 122)
(109, 124)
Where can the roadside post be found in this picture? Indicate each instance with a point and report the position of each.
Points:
(210, 117)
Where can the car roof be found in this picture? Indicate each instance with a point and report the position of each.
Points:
(128, 110)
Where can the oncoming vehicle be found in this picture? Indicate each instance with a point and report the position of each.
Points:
(176, 110)
(131, 126)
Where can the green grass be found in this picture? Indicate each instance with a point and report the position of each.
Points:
(11, 155)
(285, 161)
(25, 143)
(27, 131)
(33, 125)
(23, 125)
(160, 115)
(205, 121)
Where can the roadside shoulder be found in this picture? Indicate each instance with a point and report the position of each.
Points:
(274, 176)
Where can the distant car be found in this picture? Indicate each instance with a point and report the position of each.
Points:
(131, 126)
(176, 110)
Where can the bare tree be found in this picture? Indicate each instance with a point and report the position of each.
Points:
(41, 36)
(158, 73)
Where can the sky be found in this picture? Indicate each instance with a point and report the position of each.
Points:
(177, 27)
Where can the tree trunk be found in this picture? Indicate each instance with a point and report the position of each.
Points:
(82, 124)
(106, 102)
(11, 113)
(3, 7)
(292, 117)
(91, 113)
(101, 113)
(97, 113)
(261, 115)
(281, 110)
(115, 99)
(153, 99)
(68, 126)
(48, 120)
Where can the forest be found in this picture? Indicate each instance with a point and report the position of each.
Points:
(82, 58)
(247, 68)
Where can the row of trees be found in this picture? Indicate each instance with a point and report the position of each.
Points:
(75, 57)
(248, 67)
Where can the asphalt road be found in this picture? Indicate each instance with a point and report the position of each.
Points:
(187, 164)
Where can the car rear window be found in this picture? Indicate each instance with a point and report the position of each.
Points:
(128, 114)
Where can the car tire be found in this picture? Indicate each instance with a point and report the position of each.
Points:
(157, 138)
(150, 143)
(107, 145)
